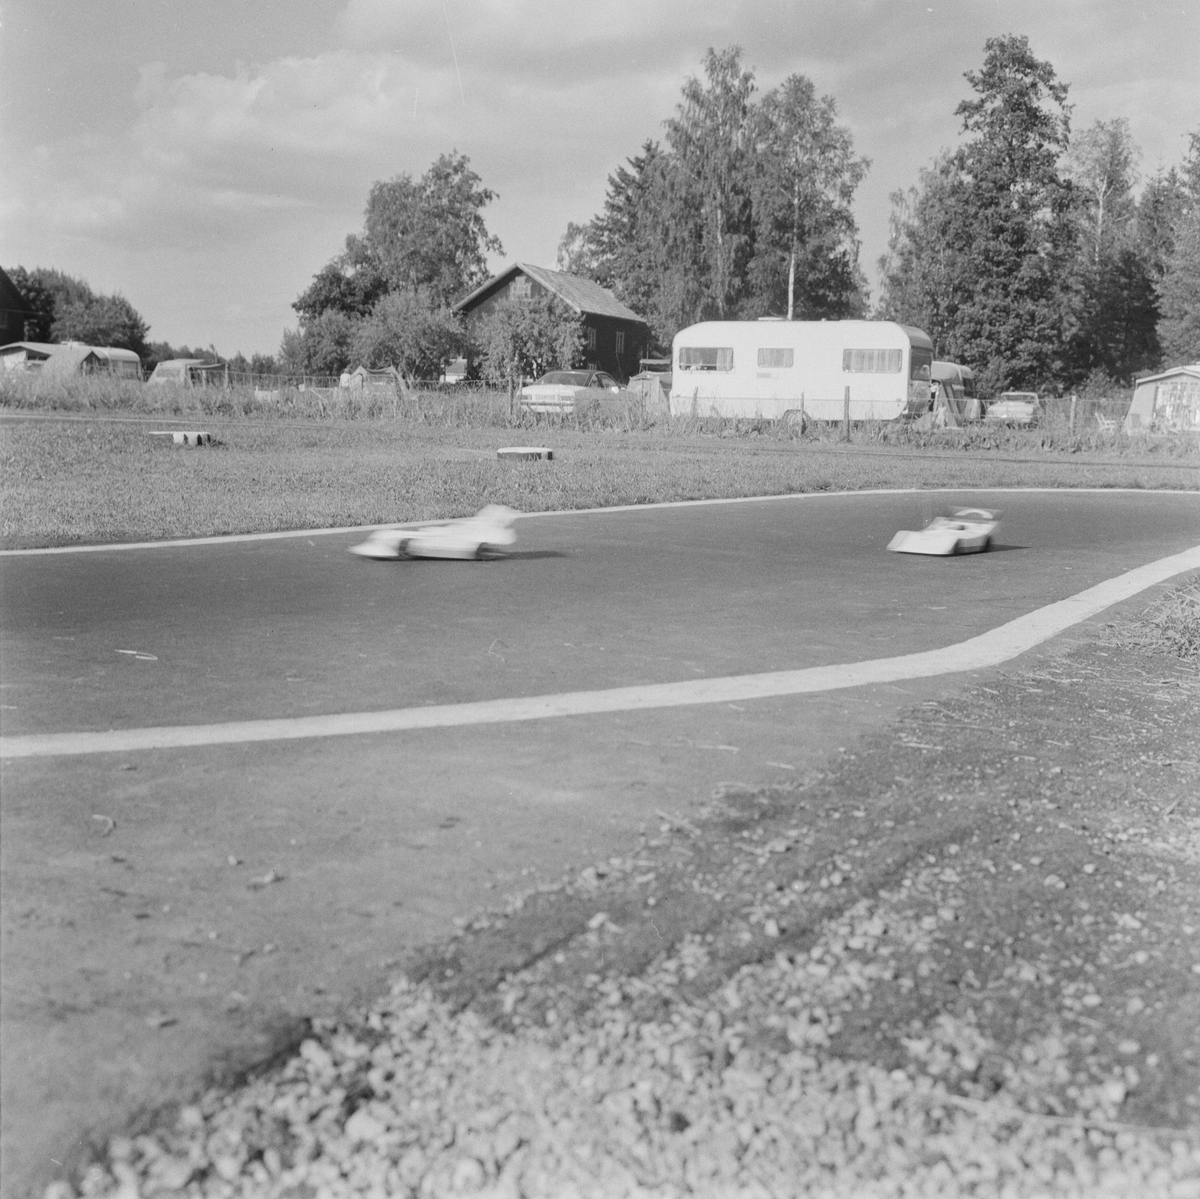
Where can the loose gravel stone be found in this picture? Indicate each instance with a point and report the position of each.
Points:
(806, 1010)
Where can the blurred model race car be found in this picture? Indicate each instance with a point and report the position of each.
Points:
(967, 531)
(480, 536)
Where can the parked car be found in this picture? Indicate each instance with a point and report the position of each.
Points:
(1015, 408)
(561, 391)
(190, 372)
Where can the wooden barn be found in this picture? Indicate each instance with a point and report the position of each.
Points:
(616, 338)
(14, 310)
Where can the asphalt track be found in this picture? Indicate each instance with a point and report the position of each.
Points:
(133, 875)
(242, 631)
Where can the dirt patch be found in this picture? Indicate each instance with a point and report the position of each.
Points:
(964, 957)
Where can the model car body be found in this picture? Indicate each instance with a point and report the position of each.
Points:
(480, 536)
(967, 531)
(560, 391)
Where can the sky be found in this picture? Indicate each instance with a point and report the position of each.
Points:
(205, 158)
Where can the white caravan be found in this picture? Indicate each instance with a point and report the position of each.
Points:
(788, 369)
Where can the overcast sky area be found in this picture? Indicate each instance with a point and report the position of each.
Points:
(206, 157)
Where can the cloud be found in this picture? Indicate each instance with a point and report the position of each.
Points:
(219, 162)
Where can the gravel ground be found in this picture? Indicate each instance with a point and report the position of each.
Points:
(962, 960)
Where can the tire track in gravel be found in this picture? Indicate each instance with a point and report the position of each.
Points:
(963, 956)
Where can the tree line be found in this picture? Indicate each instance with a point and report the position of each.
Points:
(386, 299)
(64, 308)
(1026, 253)
(745, 211)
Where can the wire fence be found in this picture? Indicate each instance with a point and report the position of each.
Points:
(1091, 424)
(279, 382)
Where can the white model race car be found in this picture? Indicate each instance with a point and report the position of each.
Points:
(480, 536)
(967, 531)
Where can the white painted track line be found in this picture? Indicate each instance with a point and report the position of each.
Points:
(988, 649)
(285, 534)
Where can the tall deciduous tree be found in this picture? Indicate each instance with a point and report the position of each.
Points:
(351, 283)
(711, 137)
(32, 286)
(322, 346)
(67, 309)
(924, 281)
(805, 173)
(406, 330)
(101, 321)
(1160, 206)
(745, 197)
(1102, 164)
(521, 339)
(424, 245)
(430, 233)
(1112, 311)
(1179, 290)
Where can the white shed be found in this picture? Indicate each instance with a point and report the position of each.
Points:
(1170, 400)
(70, 357)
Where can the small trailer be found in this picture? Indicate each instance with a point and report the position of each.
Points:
(801, 370)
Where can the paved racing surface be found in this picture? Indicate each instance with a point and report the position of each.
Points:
(297, 627)
(170, 914)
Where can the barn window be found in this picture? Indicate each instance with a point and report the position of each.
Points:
(521, 288)
(591, 338)
(706, 358)
(776, 358)
(873, 362)
(620, 341)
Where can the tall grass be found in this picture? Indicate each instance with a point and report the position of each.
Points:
(476, 408)
(1171, 623)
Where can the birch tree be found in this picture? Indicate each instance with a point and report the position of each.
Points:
(804, 179)
(711, 139)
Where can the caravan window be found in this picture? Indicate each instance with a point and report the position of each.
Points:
(776, 358)
(921, 366)
(873, 362)
(706, 358)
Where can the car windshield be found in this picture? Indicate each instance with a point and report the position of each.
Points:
(567, 378)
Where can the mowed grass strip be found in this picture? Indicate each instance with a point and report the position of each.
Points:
(98, 481)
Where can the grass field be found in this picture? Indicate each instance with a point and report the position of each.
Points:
(100, 480)
(79, 466)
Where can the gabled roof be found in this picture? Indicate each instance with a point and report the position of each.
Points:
(375, 372)
(44, 349)
(584, 295)
(69, 360)
(1193, 371)
(11, 299)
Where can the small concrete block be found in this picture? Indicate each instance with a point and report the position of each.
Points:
(184, 437)
(526, 453)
